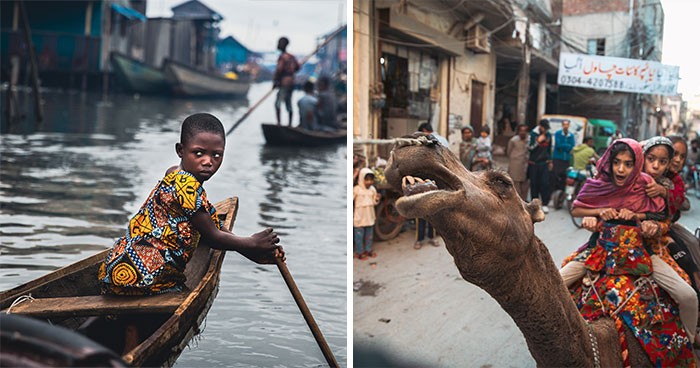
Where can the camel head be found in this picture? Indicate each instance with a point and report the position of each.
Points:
(479, 214)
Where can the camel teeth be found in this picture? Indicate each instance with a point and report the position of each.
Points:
(411, 180)
(404, 183)
(419, 180)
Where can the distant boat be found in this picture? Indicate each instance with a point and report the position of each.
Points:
(189, 81)
(282, 135)
(138, 76)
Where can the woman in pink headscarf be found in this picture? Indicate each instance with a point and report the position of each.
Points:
(614, 204)
(619, 189)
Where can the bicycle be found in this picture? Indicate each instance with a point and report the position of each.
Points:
(388, 220)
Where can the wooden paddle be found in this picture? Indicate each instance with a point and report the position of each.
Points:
(302, 62)
(289, 280)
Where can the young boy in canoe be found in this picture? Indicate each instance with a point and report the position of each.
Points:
(152, 256)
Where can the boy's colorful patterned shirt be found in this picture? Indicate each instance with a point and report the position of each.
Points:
(151, 257)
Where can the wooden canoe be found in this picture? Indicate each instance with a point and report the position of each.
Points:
(70, 297)
(137, 76)
(188, 81)
(281, 135)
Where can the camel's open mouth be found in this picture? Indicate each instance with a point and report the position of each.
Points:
(411, 185)
(441, 180)
(423, 197)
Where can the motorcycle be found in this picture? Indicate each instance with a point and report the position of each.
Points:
(574, 181)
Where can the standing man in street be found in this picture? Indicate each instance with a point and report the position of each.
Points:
(584, 154)
(424, 228)
(540, 163)
(283, 79)
(517, 161)
(564, 142)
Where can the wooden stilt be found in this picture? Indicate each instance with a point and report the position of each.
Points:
(11, 103)
(105, 84)
(39, 111)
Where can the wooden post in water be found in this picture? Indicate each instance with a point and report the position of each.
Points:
(11, 102)
(32, 61)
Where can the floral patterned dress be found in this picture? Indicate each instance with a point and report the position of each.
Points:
(151, 257)
(619, 255)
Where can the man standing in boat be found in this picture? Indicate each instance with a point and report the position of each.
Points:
(283, 79)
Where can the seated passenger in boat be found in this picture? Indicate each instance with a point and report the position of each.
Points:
(307, 108)
(161, 237)
(326, 113)
(618, 193)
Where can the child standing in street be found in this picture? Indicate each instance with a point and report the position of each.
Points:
(483, 158)
(161, 237)
(364, 198)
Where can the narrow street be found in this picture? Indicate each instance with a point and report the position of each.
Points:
(414, 307)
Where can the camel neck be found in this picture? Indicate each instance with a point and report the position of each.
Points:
(535, 297)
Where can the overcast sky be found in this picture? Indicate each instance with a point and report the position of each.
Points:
(681, 42)
(258, 24)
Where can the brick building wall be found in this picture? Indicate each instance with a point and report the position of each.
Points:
(578, 7)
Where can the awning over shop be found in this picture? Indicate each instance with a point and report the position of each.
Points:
(414, 29)
(129, 13)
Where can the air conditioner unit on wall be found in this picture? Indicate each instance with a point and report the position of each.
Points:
(478, 39)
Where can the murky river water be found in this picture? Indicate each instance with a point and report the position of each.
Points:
(68, 188)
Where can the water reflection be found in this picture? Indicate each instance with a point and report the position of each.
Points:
(300, 173)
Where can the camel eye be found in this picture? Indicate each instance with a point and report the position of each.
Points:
(501, 184)
(501, 180)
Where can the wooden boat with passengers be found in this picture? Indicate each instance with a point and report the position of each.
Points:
(70, 297)
(281, 135)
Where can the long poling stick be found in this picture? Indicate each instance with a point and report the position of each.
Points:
(289, 280)
(303, 61)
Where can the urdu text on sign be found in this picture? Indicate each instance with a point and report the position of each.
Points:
(617, 74)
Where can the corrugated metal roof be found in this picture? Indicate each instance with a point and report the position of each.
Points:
(195, 10)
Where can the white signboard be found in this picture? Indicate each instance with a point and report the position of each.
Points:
(617, 74)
